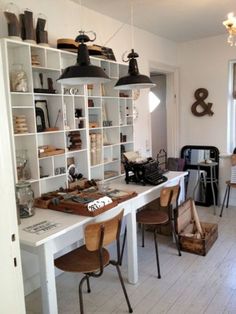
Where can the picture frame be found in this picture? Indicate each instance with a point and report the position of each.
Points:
(42, 116)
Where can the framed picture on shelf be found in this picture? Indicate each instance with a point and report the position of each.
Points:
(42, 117)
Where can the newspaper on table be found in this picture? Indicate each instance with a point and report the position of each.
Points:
(41, 227)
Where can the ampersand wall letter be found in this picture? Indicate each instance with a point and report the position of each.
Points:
(200, 95)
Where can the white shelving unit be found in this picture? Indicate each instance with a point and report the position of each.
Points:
(105, 121)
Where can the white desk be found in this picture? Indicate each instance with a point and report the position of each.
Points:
(70, 231)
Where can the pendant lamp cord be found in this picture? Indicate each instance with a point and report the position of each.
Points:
(132, 23)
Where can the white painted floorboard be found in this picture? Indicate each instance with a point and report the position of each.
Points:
(190, 284)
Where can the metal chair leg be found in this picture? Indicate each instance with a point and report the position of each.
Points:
(227, 204)
(175, 237)
(88, 284)
(157, 257)
(223, 204)
(80, 294)
(142, 226)
(123, 288)
(123, 247)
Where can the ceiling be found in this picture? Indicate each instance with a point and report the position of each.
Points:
(177, 20)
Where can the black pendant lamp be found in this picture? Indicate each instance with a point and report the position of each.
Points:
(133, 80)
(83, 72)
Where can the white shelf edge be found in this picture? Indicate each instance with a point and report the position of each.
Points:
(22, 107)
(47, 94)
(21, 93)
(69, 152)
(24, 134)
(45, 68)
(52, 177)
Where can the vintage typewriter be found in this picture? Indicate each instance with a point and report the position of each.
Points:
(144, 171)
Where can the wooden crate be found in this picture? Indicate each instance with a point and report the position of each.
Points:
(186, 229)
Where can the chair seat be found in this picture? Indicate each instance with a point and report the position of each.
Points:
(82, 260)
(152, 217)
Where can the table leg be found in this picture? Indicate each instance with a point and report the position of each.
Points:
(132, 247)
(47, 279)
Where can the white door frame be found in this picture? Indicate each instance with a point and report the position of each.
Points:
(11, 288)
(172, 106)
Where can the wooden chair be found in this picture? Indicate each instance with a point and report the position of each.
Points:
(160, 216)
(229, 184)
(92, 257)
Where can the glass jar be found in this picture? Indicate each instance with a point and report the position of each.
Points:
(24, 199)
(22, 165)
(18, 79)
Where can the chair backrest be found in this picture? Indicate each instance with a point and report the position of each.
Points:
(111, 229)
(169, 195)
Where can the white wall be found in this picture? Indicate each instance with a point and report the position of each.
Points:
(205, 63)
(64, 21)
(158, 116)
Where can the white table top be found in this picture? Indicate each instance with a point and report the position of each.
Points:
(68, 222)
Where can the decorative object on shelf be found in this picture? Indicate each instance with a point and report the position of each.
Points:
(75, 140)
(123, 94)
(73, 173)
(22, 165)
(24, 199)
(93, 121)
(28, 31)
(42, 117)
(107, 123)
(35, 60)
(110, 173)
(49, 150)
(90, 103)
(101, 52)
(230, 25)
(81, 124)
(78, 113)
(200, 95)
(134, 80)
(59, 170)
(83, 72)
(136, 94)
(71, 91)
(18, 79)
(55, 128)
(95, 148)
(71, 45)
(39, 84)
(41, 32)
(90, 89)
(135, 112)
(11, 13)
(20, 124)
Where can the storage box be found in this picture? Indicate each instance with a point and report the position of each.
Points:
(189, 239)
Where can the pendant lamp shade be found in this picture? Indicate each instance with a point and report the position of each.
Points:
(83, 72)
(134, 80)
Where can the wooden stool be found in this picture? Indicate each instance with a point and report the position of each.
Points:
(227, 193)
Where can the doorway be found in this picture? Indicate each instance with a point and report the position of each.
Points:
(157, 109)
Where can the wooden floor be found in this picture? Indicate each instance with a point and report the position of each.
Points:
(189, 284)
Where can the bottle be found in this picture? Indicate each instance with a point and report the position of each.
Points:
(24, 199)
